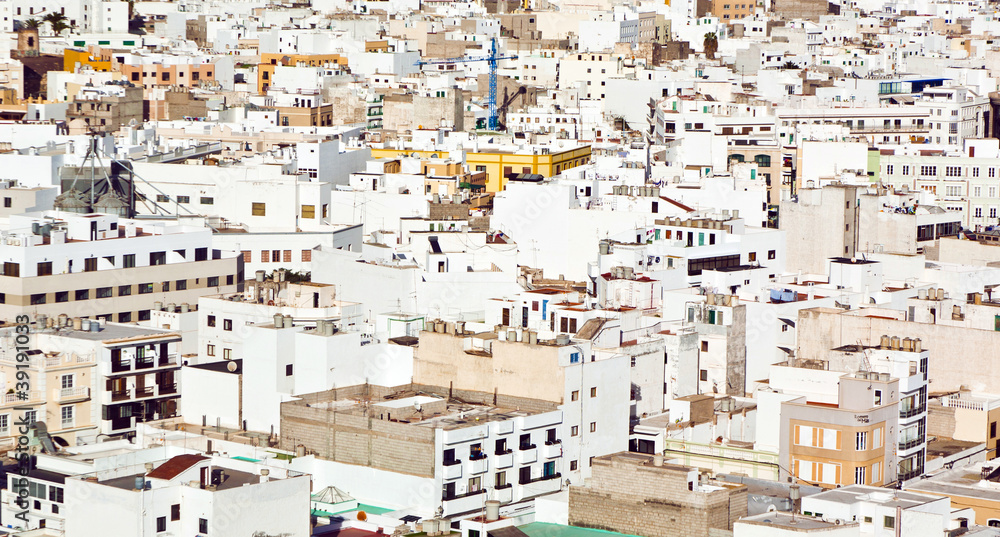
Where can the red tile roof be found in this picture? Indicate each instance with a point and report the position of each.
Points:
(173, 467)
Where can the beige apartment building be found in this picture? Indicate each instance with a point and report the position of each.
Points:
(106, 267)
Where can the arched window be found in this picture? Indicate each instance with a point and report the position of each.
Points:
(736, 157)
(763, 161)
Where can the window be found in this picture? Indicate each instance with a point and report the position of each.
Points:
(309, 211)
(202, 525)
(288, 369)
(500, 480)
(210, 321)
(993, 430)
(124, 290)
(574, 357)
(928, 170)
(90, 264)
(12, 269)
(66, 381)
(861, 441)
(175, 512)
(161, 524)
(574, 395)
(45, 268)
(144, 315)
(593, 391)
(207, 201)
(593, 426)
(183, 199)
(573, 465)
(952, 171)
(66, 413)
(62, 296)
(37, 299)
(56, 495)
(257, 209)
(859, 475)
(157, 258)
(210, 350)
(878, 397)
(104, 292)
(145, 288)
(83, 294)
(213, 281)
(889, 522)
(574, 430)
(703, 375)
(181, 285)
(227, 354)
(227, 325)
(165, 286)
(128, 261)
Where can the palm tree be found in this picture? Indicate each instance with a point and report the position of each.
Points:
(33, 24)
(789, 65)
(57, 21)
(711, 44)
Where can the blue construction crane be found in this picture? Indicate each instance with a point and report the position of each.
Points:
(492, 60)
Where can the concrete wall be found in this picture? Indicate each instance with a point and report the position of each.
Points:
(822, 329)
(646, 500)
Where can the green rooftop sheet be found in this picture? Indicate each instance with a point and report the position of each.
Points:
(248, 459)
(544, 529)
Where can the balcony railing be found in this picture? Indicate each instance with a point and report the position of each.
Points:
(906, 476)
(144, 363)
(167, 360)
(148, 391)
(909, 413)
(556, 475)
(78, 392)
(526, 447)
(121, 366)
(477, 456)
(121, 395)
(506, 451)
(451, 462)
(9, 398)
(910, 444)
(465, 495)
(168, 388)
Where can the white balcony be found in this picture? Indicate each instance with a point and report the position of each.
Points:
(465, 503)
(14, 398)
(452, 471)
(541, 486)
(78, 393)
(478, 466)
(551, 451)
(526, 456)
(504, 461)
(504, 495)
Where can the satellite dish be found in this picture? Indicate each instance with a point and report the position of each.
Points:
(231, 367)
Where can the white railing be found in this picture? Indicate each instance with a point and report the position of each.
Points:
(9, 398)
(968, 404)
(72, 393)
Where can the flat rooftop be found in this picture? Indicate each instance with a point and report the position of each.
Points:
(791, 522)
(852, 494)
(431, 409)
(115, 331)
(231, 479)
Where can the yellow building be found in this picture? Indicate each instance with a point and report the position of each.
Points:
(73, 56)
(500, 163)
(846, 443)
(269, 62)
